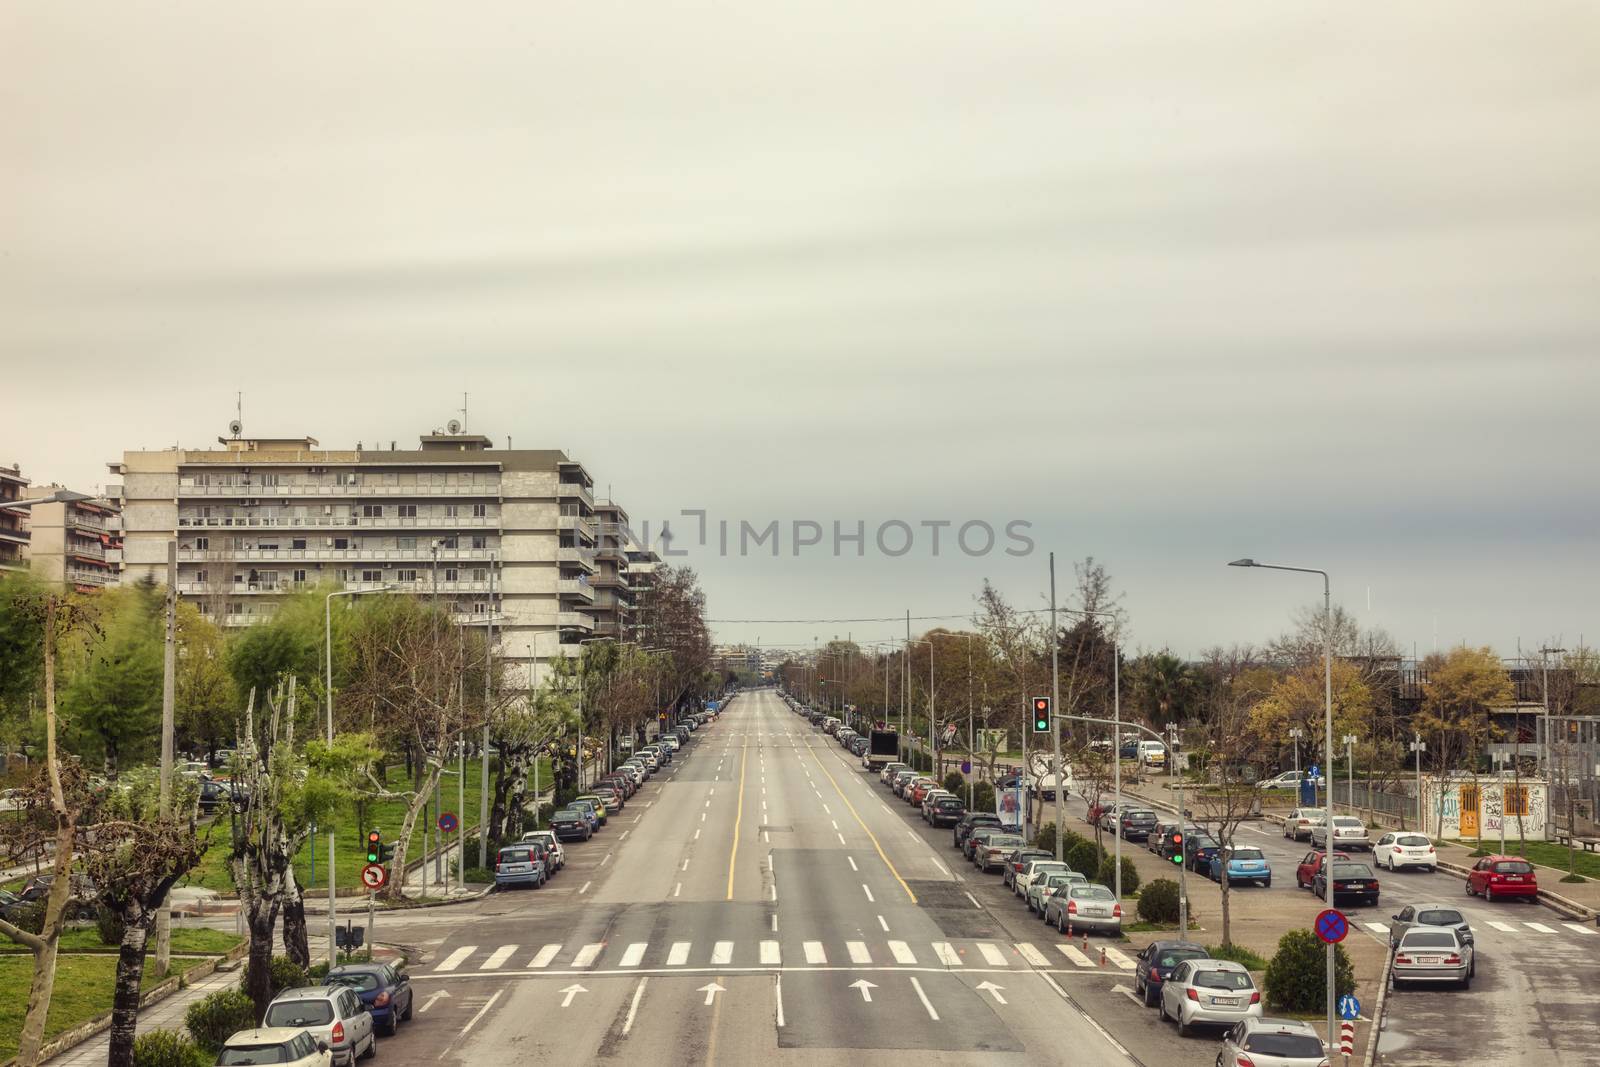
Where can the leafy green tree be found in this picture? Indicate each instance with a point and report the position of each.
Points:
(112, 704)
(205, 697)
(1162, 687)
(290, 642)
(21, 646)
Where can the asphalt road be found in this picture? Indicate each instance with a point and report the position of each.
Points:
(759, 901)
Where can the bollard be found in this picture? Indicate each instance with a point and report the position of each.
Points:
(1102, 955)
(1086, 941)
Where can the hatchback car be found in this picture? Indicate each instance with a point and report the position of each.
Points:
(1415, 916)
(1157, 962)
(1160, 831)
(1498, 877)
(1432, 954)
(1198, 848)
(1270, 1042)
(384, 991)
(286, 1046)
(1135, 824)
(331, 1014)
(1017, 862)
(990, 855)
(945, 811)
(558, 855)
(1310, 865)
(1035, 867)
(1297, 826)
(570, 826)
(1243, 864)
(1086, 907)
(1209, 992)
(516, 865)
(1400, 850)
(1352, 883)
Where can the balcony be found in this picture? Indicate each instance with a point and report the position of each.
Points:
(341, 522)
(409, 555)
(575, 620)
(87, 550)
(583, 557)
(15, 536)
(610, 580)
(88, 576)
(576, 587)
(582, 525)
(575, 491)
(84, 521)
(330, 492)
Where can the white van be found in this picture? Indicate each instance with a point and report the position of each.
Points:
(1152, 753)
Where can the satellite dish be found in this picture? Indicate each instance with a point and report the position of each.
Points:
(454, 427)
(236, 427)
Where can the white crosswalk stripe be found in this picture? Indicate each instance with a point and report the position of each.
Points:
(947, 955)
(1578, 928)
(1377, 928)
(858, 952)
(455, 959)
(1119, 959)
(543, 957)
(678, 955)
(902, 952)
(1541, 927)
(1032, 956)
(722, 953)
(633, 955)
(1075, 955)
(991, 954)
(814, 952)
(771, 955)
(1504, 928)
(587, 955)
(498, 957)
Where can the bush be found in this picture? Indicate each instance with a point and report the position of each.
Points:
(1085, 856)
(286, 974)
(109, 926)
(214, 1019)
(167, 1048)
(29, 917)
(1245, 957)
(478, 876)
(1158, 901)
(983, 796)
(1130, 874)
(955, 782)
(1297, 976)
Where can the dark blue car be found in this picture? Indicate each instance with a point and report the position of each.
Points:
(384, 992)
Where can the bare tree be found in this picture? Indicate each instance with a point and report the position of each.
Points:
(1232, 791)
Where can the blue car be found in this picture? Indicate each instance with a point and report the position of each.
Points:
(1246, 864)
(384, 992)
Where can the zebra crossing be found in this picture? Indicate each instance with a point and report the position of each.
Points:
(622, 955)
(1510, 928)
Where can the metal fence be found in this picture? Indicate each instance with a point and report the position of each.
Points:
(1362, 796)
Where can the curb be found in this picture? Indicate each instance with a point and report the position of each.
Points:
(1375, 1030)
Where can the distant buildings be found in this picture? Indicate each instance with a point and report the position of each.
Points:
(511, 537)
(60, 535)
(14, 533)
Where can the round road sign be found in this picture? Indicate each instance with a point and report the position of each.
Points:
(1332, 926)
(373, 876)
(1349, 1008)
(447, 822)
(966, 766)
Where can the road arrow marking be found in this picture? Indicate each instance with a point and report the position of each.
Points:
(866, 988)
(571, 991)
(711, 991)
(993, 990)
(443, 994)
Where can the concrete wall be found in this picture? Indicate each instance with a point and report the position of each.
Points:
(1491, 807)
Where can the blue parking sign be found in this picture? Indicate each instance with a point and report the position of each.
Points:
(1349, 1007)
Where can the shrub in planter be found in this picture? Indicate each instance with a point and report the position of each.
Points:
(214, 1019)
(1130, 874)
(1296, 978)
(167, 1048)
(286, 974)
(983, 797)
(955, 782)
(1085, 856)
(1158, 901)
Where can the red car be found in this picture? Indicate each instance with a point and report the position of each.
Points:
(1503, 876)
(1310, 865)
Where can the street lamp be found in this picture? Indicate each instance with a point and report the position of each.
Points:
(1295, 734)
(1327, 688)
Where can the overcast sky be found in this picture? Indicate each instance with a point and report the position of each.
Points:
(1172, 283)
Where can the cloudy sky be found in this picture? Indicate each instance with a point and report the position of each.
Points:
(1172, 283)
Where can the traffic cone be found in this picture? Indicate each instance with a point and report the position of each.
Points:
(1102, 955)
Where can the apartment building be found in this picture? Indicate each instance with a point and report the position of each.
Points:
(613, 594)
(74, 539)
(642, 564)
(502, 536)
(13, 522)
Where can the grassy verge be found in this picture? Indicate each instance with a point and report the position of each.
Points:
(83, 989)
(1548, 854)
(351, 854)
(1240, 955)
(186, 941)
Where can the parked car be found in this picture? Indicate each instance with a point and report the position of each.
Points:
(1017, 862)
(1414, 916)
(1351, 882)
(1161, 830)
(979, 836)
(331, 1014)
(1109, 814)
(213, 796)
(1348, 833)
(1243, 864)
(1433, 954)
(1399, 850)
(970, 821)
(1495, 877)
(930, 798)
(1085, 907)
(520, 864)
(1171, 840)
(548, 838)
(991, 854)
(1035, 867)
(1273, 1043)
(890, 770)
(385, 992)
(1209, 992)
(1286, 780)
(1156, 962)
(945, 811)
(1135, 824)
(1310, 865)
(919, 789)
(81, 900)
(287, 1046)
(1198, 848)
(571, 825)
(594, 802)
(1297, 827)
(1047, 885)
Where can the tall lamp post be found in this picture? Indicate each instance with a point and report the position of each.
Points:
(1327, 751)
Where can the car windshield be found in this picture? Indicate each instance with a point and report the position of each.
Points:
(1439, 917)
(1004, 841)
(1141, 816)
(1289, 1046)
(564, 816)
(1173, 956)
(365, 981)
(1513, 867)
(1057, 879)
(1412, 841)
(1248, 854)
(1202, 841)
(299, 1013)
(1429, 939)
(1351, 870)
(947, 803)
(1209, 979)
(515, 855)
(1092, 892)
(1347, 822)
(245, 1054)
(1311, 813)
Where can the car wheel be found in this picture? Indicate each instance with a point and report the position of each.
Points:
(1488, 894)
(405, 1016)
(1469, 887)
(1149, 996)
(1183, 1027)
(1466, 983)
(392, 1027)
(372, 1047)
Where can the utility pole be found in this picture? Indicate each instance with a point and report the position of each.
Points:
(169, 688)
(483, 786)
(1349, 779)
(1055, 702)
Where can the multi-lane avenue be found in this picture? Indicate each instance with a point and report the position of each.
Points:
(757, 900)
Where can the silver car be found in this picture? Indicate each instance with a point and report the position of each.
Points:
(1081, 908)
(1348, 833)
(1207, 991)
(333, 1015)
(1433, 954)
(1046, 885)
(1301, 821)
(1273, 1043)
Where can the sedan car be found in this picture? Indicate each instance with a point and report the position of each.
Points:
(980, 836)
(970, 822)
(1212, 992)
(1273, 1043)
(1398, 850)
(1243, 864)
(1498, 877)
(1156, 963)
(1135, 824)
(1017, 862)
(1198, 848)
(1297, 827)
(991, 854)
(1081, 908)
(1415, 916)
(1433, 954)
(1348, 832)
(384, 991)
(331, 1014)
(570, 826)
(1047, 885)
(890, 770)
(288, 1046)
(1352, 882)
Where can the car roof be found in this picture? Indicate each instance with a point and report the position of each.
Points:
(1268, 1022)
(306, 992)
(1209, 964)
(1434, 905)
(358, 968)
(1168, 946)
(264, 1035)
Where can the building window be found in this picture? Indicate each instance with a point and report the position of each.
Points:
(409, 543)
(267, 479)
(346, 478)
(451, 510)
(448, 542)
(480, 574)
(343, 574)
(451, 574)
(298, 542)
(372, 576)
(1517, 801)
(407, 576)
(202, 577)
(372, 511)
(341, 543)
(480, 541)
(202, 543)
(235, 608)
(480, 510)
(299, 577)
(406, 511)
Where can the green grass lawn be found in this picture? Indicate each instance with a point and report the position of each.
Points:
(186, 941)
(1550, 854)
(384, 815)
(83, 989)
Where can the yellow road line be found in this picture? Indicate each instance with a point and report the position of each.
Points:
(812, 749)
(737, 819)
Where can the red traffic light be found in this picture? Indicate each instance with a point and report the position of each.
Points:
(374, 836)
(1041, 704)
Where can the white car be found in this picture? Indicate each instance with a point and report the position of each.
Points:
(1274, 1043)
(1399, 850)
(1205, 991)
(1348, 832)
(333, 1015)
(549, 840)
(1300, 821)
(284, 1045)
(1033, 869)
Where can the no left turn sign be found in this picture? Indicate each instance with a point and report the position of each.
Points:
(373, 876)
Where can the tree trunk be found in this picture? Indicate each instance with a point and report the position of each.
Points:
(517, 767)
(125, 1000)
(395, 889)
(258, 973)
(295, 942)
(1227, 914)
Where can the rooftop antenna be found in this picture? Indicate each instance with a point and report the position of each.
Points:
(236, 427)
(463, 412)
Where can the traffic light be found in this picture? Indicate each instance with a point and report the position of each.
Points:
(1041, 715)
(1177, 843)
(374, 845)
